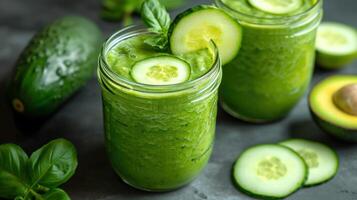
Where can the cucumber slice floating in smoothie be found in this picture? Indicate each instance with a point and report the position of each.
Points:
(278, 7)
(161, 70)
(269, 171)
(321, 160)
(195, 28)
(336, 45)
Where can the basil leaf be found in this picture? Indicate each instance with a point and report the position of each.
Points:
(155, 16)
(157, 42)
(53, 164)
(169, 4)
(12, 171)
(172, 4)
(158, 19)
(56, 194)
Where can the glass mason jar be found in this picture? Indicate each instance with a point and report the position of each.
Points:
(158, 138)
(274, 65)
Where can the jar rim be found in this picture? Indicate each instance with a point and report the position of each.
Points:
(271, 21)
(135, 30)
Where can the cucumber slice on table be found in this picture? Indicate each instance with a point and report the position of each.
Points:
(161, 70)
(269, 171)
(321, 160)
(277, 6)
(336, 44)
(195, 28)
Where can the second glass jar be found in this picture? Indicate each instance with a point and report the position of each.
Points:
(274, 65)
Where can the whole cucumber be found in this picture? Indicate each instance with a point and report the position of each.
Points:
(57, 62)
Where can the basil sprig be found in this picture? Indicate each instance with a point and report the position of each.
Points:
(156, 17)
(37, 177)
(13, 176)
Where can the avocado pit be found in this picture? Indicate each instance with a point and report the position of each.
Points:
(346, 99)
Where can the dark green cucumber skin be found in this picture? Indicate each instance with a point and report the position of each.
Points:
(331, 62)
(334, 62)
(259, 196)
(57, 62)
(347, 135)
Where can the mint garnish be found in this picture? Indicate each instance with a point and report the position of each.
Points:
(156, 17)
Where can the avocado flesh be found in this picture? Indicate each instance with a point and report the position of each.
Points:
(327, 115)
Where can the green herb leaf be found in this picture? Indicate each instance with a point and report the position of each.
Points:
(157, 42)
(53, 164)
(12, 171)
(56, 194)
(169, 4)
(158, 19)
(154, 14)
(172, 4)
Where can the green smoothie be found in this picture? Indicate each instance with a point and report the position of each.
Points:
(123, 56)
(274, 65)
(158, 137)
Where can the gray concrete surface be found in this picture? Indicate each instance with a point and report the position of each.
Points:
(80, 120)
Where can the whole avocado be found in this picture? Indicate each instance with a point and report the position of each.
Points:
(57, 62)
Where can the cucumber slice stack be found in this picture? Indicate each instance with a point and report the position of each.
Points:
(161, 70)
(278, 7)
(321, 159)
(336, 45)
(193, 30)
(278, 170)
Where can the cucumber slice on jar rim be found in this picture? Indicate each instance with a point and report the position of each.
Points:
(196, 27)
(321, 160)
(278, 7)
(269, 171)
(161, 70)
(336, 44)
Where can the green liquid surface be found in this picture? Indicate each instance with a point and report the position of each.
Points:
(122, 57)
(243, 6)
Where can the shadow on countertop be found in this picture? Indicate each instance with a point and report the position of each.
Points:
(90, 183)
(8, 131)
(307, 129)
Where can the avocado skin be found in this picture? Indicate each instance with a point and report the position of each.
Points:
(338, 132)
(57, 62)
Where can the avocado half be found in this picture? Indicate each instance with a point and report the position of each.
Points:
(326, 114)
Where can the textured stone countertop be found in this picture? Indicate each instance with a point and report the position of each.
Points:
(80, 120)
